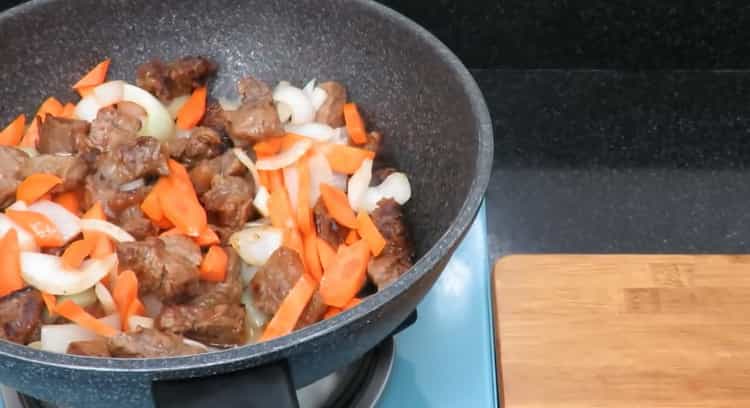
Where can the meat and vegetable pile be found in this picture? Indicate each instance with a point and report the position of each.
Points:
(153, 220)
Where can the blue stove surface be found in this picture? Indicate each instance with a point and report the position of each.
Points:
(447, 358)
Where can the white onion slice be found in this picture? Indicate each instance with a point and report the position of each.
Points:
(291, 183)
(255, 318)
(66, 222)
(284, 112)
(159, 123)
(111, 230)
(308, 88)
(317, 131)
(105, 298)
(83, 299)
(87, 109)
(57, 337)
(176, 104)
(248, 162)
(285, 158)
(255, 245)
(359, 182)
(18, 206)
(261, 201)
(30, 151)
(247, 272)
(133, 185)
(395, 186)
(318, 97)
(320, 172)
(108, 93)
(47, 273)
(339, 181)
(193, 343)
(26, 241)
(341, 136)
(300, 105)
(152, 304)
(134, 322)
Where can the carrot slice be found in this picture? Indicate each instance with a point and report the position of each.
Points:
(50, 105)
(124, 292)
(337, 205)
(265, 179)
(207, 237)
(71, 311)
(45, 232)
(10, 264)
(35, 186)
(50, 301)
(103, 246)
(13, 133)
(346, 275)
(76, 252)
(325, 253)
(95, 77)
(281, 209)
(152, 208)
(331, 312)
(68, 111)
(179, 202)
(214, 265)
(304, 212)
(136, 308)
(267, 147)
(355, 126)
(70, 200)
(276, 180)
(370, 233)
(85, 91)
(31, 135)
(346, 159)
(312, 260)
(293, 241)
(351, 237)
(193, 110)
(291, 309)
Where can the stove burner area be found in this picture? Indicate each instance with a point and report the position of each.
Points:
(358, 385)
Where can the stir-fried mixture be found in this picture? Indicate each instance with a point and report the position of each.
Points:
(151, 220)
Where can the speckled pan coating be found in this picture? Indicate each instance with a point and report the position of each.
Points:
(436, 125)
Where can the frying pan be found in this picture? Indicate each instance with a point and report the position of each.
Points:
(409, 85)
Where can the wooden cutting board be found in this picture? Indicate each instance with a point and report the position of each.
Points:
(623, 331)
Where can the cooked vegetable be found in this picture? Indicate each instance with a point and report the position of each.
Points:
(300, 105)
(312, 260)
(76, 252)
(291, 309)
(319, 132)
(69, 111)
(140, 321)
(351, 237)
(179, 201)
(136, 308)
(333, 311)
(105, 298)
(255, 245)
(268, 147)
(395, 186)
(338, 206)
(176, 105)
(261, 201)
(25, 240)
(293, 240)
(345, 275)
(359, 182)
(50, 301)
(355, 126)
(13, 133)
(57, 337)
(10, 266)
(291, 183)
(107, 228)
(125, 292)
(70, 201)
(304, 212)
(83, 299)
(36, 186)
(47, 273)
(76, 314)
(96, 76)
(45, 232)
(103, 246)
(214, 265)
(280, 208)
(192, 112)
(284, 158)
(247, 162)
(325, 253)
(346, 159)
(370, 233)
(67, 223)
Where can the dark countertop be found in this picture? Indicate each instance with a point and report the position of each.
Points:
(609, 161)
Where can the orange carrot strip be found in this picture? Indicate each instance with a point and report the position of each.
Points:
(325, 253)
(152, 208)
(179, 202)
(355, 126)
(13, 133)
(95, 77)
(346, 159)
(85, 91)
(351, 237)
(102, 245)
(293, 241)
(265, 179)
(68, 111)
(267, 147)
(76, 252)
(31, 135)
(291, 309)
(280, 209)
(71, 311)
(50, 301)
(50, 105)
(290, 139)
(70, 200)
(135, 308)
(193, 110)
(276, 180)
(207, 237)
(35, 186)
(10, 264)
(312, 260)
(352, 303)
(337, 205)
(214, 265)
(346, 275)
(304, 212)
(331, 312)
(125, 291)
(45, 232)
(370, 233)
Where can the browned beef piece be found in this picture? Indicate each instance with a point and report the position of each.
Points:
(256, 118)
(91, 348)
(11, 162)
(221, 325)
(149, 343)
(214, 117)
(397, 256)
(71, 169)
(167, 266)
(224, 233)
(61, 135)
(136, 223)
(332, 110)
(229, 201)
(175, 78)
(111, 127)
(328, 229)
(21, 315)
(203, 143)
(229, 291)
(313, 313)
(379, 175)
(225, 165)
(374, 142)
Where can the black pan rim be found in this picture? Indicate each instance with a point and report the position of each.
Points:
(261, 353)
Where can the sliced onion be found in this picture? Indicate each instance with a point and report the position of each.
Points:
(285, 158)
(66, 222)
(112, 230)
(320, 172)
(247, 272)
(83, 299)
(30, 151)
(318, 97)
(317, 131)
(57, 337)
(26, 241)
(291, 183)
(256, 319)
(105, 298)
(159, 123)
(133, 185)
(395, 186)
(298, 102)
(152, 304)
(248, 162)
(261, 201)
(132, 109)
(176, 104)
(284, 112)
(308, 88)
(255, 245)
(193, 343)
(47, 273)
(359, 182)
(87, 109)
(18, 206)
(229, 104)
(341, 137)
(134, 322)
(108, 93)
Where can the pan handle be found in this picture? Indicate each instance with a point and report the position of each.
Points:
(264, 386)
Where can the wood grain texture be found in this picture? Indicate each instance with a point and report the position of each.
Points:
(577, 331)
